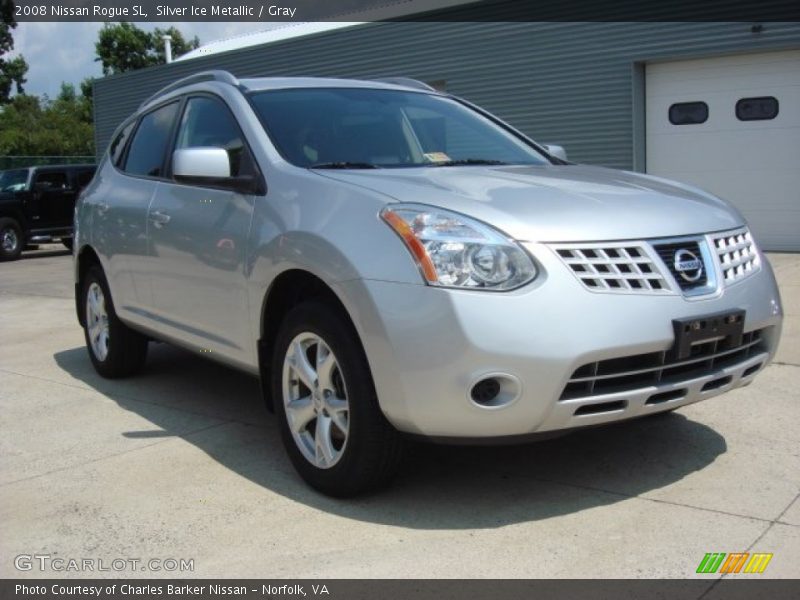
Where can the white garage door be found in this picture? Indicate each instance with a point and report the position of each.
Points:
(731, 125)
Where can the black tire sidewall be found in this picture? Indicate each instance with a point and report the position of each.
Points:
(126, 348)
(347, 476)
(8, 223)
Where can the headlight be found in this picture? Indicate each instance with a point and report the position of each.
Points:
(455, 251)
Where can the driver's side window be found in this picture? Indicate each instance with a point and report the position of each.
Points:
(208, 122)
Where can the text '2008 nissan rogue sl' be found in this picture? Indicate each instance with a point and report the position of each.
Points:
(391, 260)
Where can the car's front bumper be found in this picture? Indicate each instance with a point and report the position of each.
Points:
(427, 346)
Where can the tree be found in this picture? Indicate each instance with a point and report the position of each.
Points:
(33, 126)
(12, 71)
(124, 47)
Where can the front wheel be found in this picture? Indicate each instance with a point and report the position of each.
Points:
(115, 349)
(11, 241)
(332, 427)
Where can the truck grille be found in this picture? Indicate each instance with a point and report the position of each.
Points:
(737, 255)
(614, 268)
(642, 370)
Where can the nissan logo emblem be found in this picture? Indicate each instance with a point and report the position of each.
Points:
(688, 265)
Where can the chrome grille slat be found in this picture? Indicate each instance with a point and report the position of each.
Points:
(655, 368)
(614, 267)
(644, 266)
(684, 363)
(737, 255)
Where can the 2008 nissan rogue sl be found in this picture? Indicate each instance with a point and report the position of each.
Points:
(391, 260)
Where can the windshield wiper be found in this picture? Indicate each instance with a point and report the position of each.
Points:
(467, 161)
(344, 165)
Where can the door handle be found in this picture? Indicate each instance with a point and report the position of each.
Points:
(159, 219)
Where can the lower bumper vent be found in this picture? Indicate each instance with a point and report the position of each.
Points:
(642, 370)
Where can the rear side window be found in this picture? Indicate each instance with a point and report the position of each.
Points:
(688, 113)
(146, 154)
(51, 180)
(118, 145)
(757, 109)
(208, 122)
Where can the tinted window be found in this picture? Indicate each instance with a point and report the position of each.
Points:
(118, 145)
(208, 122)
(82, 178)
(385, 128)
(757, 109)
(13, 181)
(688, 113)
(146, 154)
(51, 180)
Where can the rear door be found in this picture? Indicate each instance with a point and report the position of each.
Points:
(125, 187)
(198, 236)
(53, 199)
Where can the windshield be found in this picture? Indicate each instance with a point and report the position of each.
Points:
(13, 181)
(368, 128)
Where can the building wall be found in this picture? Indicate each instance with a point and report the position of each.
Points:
(576, 84)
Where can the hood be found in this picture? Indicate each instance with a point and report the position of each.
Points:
(553, 203)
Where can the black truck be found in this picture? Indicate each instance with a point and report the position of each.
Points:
(37, 205)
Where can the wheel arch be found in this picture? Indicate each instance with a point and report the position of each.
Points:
(287, 290)
(85, 258)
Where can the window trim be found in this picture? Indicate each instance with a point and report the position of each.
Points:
(751, 98)
(139, 118)
(261, 181)
(669, 113)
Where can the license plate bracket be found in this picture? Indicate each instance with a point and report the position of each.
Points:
(727, 326)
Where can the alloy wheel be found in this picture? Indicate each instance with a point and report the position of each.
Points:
(97, 321)
(315, 400)
(9, 240)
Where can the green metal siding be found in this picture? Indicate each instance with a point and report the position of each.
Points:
(566, 83)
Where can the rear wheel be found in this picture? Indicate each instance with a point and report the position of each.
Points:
(115, 349)
(11, 242)
(332, 427)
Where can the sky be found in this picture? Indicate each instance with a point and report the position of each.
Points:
(58, 52)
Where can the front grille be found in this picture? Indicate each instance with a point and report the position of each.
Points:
(614, 268)
(667, 252)
(737, 254)
(642, 370)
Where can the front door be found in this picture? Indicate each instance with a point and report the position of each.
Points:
(198, 239)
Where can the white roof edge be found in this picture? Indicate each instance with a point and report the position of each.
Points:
(296, 30)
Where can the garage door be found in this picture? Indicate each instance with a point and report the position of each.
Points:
(731, 125)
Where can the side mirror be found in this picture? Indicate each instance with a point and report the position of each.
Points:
(557, 151)
(210, 166)
(204, 162)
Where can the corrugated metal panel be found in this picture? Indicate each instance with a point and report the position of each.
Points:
(567, 83)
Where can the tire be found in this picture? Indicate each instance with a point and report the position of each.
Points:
(11, 239)
(368, 455)
(115, 349)
(67, 243)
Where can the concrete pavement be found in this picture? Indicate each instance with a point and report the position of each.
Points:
(183, 462)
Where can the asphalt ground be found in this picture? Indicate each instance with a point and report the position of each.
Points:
(183, 462)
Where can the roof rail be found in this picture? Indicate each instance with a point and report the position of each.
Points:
(216, 75)
(406, 82)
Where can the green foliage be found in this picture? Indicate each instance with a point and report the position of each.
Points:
(33, 126)
(12, 71)
(124, 47)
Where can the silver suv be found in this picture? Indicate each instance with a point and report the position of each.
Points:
(394, 261)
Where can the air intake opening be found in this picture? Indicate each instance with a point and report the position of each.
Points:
(750, 370)
(667, 396)
(716, 383)
(602, 407)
